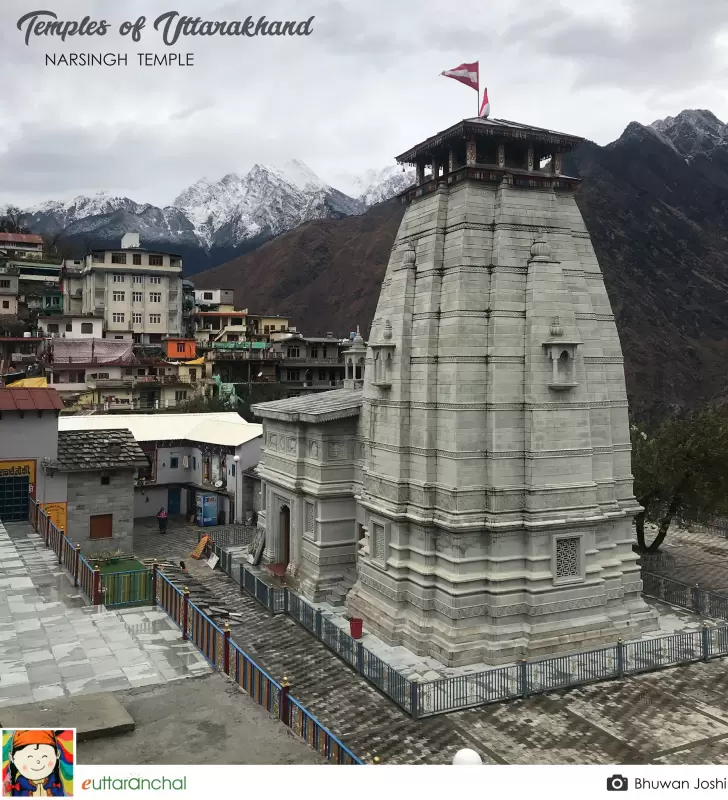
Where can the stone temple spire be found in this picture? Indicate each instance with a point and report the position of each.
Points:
(496, 502)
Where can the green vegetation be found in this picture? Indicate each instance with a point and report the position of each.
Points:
(120, 565)
(680, 471)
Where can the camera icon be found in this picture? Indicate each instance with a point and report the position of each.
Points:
(617, 783)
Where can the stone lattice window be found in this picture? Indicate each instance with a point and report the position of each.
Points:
(567, 558)
(378, 541)
(309, 518)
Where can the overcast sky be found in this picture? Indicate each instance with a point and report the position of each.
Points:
(362, 88)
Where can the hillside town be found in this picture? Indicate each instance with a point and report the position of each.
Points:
(122, 330)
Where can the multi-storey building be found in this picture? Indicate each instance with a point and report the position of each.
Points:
(310, 363)
(137, 291)
(21, 245)
(8, 292)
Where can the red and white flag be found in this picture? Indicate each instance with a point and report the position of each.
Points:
(485, 105)
(465, 73)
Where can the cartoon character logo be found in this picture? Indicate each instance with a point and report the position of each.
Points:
(38, 763)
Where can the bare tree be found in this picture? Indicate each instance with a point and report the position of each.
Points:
(11, 220)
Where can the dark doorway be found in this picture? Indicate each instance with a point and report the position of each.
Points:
(100, 526)
(14, 498)
(174, 500)
(285, 535)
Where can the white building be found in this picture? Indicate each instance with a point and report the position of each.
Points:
(188, 453)
(478, 487)
(68, 327)
(137, 291)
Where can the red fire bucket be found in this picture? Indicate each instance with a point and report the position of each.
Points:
(355, 626)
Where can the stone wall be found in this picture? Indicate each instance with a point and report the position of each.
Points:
(87, 496)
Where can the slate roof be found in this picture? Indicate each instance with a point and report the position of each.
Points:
(320, 407)
(98, 450)
(30, 400)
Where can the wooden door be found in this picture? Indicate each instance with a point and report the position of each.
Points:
(101, 526)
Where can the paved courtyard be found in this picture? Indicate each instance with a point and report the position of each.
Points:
(52, 644)
(674, 716)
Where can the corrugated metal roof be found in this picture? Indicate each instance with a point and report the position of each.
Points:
(30, 400)
(28, 383)
(25, 238)
(222, 428)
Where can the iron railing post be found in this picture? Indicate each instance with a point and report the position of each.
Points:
(705, 642)
(185, 611)
(317, 623)
(285, 599)
(523, 669)
(360, 658)
(76, 563)
(226, 649)
(414, 699)
(620, 658)
(97, 585)
(155, 578)
(283, 706)
(60, 545)
(695, 599)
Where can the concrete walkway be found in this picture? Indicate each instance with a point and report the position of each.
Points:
(52, 644)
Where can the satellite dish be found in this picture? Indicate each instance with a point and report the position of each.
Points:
(218, 484)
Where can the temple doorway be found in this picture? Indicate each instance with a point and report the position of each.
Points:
(285, 540)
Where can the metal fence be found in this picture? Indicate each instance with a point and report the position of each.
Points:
(682, 594)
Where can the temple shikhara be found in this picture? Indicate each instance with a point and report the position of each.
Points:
(472, 481)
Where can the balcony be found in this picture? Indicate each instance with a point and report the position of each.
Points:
(110, 383)
(241, 355)
(299, 360)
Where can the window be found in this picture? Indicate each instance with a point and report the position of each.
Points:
(175, 262)
(181, 395)
(156, 261)
(266, 329)
(180, 347)
(324, 355)
(52, 327)
(272, 328)
(314, 352)
(4, 284)
(103, 376)
(194, 462)
(118, 258)
(138, 278)
(207, 295)
(193, 374)
(293, 375)
(155, 279)
(293, 352)
(155, 297)
(155, 319)
(118, 337)
(117, 317)
(136, 260)
(105, 480)
(567, 558)
(118, 278)
(322, 374)
(118, 297)
(137, 297)
(174, 462)
(137, 319)
(98, 258)
(87, 327)
(128, 371)
(77, 377)
(6, 303)
(69, 327)
(310, 521)
(378, 541)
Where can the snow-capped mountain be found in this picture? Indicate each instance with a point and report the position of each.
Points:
(220, 218)
(692, 132)
(265, 200)
(377, 185)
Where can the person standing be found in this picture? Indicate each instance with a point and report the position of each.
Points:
(162, 520)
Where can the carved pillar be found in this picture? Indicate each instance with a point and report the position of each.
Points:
(529, 160)
(501, 155)
(470, 152)
(420, 173)
(452, 160)
(435, 169)
(556, 164)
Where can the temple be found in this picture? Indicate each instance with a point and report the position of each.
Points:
(471, 482)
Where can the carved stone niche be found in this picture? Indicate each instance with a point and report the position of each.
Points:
(562, 353)
(382, 359)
